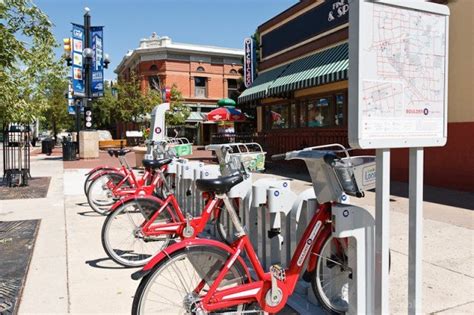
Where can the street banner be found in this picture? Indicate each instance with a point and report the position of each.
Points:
(77, 70)
(97, 84)
(249, 58)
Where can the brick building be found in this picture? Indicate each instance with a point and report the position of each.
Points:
(203, 74)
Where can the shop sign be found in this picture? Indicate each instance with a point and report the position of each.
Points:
(248, 62)
(339, 9)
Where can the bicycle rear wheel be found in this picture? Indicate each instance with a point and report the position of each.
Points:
(122, 238)
(169, 287)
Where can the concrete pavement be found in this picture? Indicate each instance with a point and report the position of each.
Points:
(70, 273)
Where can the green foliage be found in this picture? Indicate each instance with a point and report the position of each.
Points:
(105, 113)
(132, 103)
(26, 60)
(54, 115)
(178, 112)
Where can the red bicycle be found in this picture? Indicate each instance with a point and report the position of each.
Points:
(201, 276)
(109, 186)
(138, 227)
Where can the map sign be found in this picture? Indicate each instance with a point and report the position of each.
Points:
(398, 74)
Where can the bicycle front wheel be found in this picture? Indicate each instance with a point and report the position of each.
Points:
(99, 196)
(170, 288)
(88, 180)
(122, 238)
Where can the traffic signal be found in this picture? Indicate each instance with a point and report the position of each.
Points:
(67, 43)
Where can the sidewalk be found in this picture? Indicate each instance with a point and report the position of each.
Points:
(69, 272)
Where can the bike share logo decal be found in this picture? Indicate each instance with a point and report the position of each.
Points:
(285, 184)
(308, 244)
(276, 193)
(231, 262)
(158, 130)
(368, 175)
(211, 206)
(206, 174)
(345, 213)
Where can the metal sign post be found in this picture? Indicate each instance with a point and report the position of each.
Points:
(398, 57)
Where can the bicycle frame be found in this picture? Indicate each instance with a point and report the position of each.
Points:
(138, 184)
(180, 222)
(257, 290)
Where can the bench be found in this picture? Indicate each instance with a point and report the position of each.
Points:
(109, 144)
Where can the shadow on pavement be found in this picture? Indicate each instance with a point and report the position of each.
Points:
(105, 263)
(454, 198)
(82, 204)
(448, 197)
(90, 213)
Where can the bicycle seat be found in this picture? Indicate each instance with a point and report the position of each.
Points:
(118, 152)
(219, 185)
(154, 164)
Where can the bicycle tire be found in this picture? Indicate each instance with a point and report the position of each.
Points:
(103, 207)
(316, 278)
(206, 268)
(88, 180)
(125, 256)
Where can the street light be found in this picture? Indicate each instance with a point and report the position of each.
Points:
(87, 53)
(106, 61)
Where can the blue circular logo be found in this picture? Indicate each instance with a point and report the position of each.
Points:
(285, 184)
(276, 193)
(345, 213)
(344, 198)
(206, 174)
(426, 111)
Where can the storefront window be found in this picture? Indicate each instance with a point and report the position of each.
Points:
(303, 114)
(293, 116)
(278, 116)
(318, 113)
(340, 105)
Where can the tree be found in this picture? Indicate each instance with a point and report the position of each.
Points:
(132, 103)
(54, 115)
(178, 112)
(105, 111)
(26, 60)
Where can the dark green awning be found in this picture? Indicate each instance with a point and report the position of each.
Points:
(321, 68)
(324, 67)
(260, 85)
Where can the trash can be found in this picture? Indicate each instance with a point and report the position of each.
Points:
(47, 146)
(69, 151)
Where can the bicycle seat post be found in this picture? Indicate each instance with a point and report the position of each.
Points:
(240, 231)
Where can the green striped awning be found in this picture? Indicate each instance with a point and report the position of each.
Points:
(324, 67)
(260, 85)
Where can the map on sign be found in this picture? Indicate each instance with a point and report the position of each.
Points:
(402, 75)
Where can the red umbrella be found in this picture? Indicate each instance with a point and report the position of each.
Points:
(225, 114)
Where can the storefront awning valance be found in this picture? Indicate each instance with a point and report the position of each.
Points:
(260, 85)
(195, 117)
(324, 67)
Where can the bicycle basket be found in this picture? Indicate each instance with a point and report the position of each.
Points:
(356, 174)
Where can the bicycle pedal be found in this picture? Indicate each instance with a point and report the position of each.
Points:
(278, 272)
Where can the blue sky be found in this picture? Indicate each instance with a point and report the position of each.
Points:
(209, 22)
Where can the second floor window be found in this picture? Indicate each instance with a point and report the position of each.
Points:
(232, 88)
(200, 87)
(154, 82)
